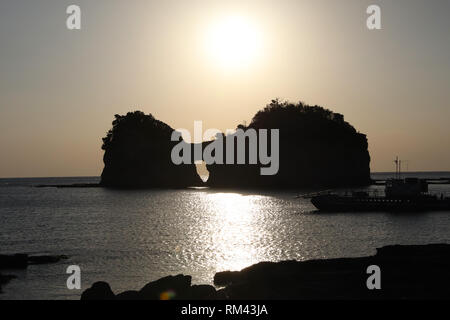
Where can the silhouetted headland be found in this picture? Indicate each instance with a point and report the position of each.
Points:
(407, 272)
(317, 149)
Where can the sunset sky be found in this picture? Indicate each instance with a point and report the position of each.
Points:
(219, 62)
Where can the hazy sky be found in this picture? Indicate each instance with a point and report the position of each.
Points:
(59, 89)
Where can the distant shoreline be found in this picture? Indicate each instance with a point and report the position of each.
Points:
(443, 178)
(98, 177)
(377, 178)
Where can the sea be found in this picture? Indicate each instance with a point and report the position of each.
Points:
(131, 237)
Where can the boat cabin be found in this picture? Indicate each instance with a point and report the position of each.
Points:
(408, 187)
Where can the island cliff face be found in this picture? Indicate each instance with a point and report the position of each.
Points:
(317, 148)
(137, 155)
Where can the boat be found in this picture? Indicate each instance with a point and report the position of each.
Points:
(401, 195)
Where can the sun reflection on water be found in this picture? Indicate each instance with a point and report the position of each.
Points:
(233, 228)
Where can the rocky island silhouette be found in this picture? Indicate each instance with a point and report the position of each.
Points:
(317, 149)
(137, 155)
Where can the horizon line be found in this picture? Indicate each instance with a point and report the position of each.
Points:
(67, 177)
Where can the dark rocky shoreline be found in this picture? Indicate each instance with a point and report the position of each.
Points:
(407, 272)
(21, 261)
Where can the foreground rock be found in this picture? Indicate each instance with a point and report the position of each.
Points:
(99, 291)
(168, 288)
(407, 272)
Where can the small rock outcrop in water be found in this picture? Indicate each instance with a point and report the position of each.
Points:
(22, 260)
(4, 279)
(407, 272)
(317, 149)
(13, 261)
(138, 155)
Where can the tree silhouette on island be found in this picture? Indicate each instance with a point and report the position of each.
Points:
(317, 149)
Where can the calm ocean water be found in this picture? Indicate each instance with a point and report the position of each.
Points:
(129, 238)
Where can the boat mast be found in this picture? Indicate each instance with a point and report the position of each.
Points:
(396, 168)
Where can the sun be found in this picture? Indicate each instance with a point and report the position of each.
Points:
(234, 42)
